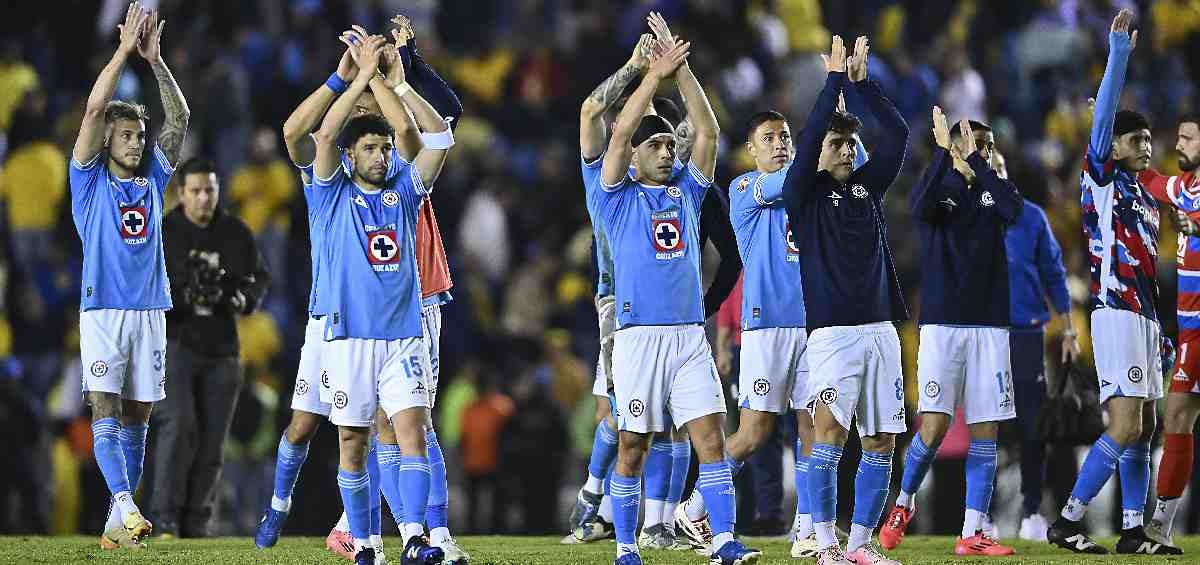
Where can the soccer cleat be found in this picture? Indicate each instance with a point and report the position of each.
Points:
(418, 552)
(869, 555)
(380, 558)
(340, 543)
(832, 555)
(698, 533)
(805, 548)
(267, 533)
(137, 526)
(596, 530)
(365, 556)
(1033, 528)
(454, 555)
(118, 538)
(1157, 532)
(892, 532)
(1069, 535)
(654, 537)
(1135, 540)
(980, 544)
(587, 506)
(734, 553)
(630, 558)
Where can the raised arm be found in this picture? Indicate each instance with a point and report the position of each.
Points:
(1007, 198)
(297, 129)
(423, 77)
(1120, 45)
(408, 135)
(91, 131)
(884, 165)
(175, 122)
(437, 137)
(798, 183)
(591, 112)
(703, 121)
(326, 161)
(620, 150)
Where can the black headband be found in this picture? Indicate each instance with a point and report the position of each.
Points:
(650, 127)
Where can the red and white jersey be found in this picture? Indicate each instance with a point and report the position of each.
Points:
(1183, 192)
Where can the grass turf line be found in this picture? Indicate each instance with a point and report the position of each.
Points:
(514, 550)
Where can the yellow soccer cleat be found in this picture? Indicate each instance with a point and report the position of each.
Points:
(137, 526)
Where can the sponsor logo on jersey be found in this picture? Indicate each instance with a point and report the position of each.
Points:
(668, 238)
(949, 203)
(742, 184)
(835, 197)
(793, 248)
(1180, 375)
(133, 224)
(383, 253)
(358, 199)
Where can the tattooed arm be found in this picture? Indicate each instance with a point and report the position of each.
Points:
(175, 124)
(591, 114)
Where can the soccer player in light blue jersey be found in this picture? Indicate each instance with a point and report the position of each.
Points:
(375, 357)
(661, 360)
(117, 205)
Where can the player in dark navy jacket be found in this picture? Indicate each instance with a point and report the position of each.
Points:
(962, 208)
(851, 297)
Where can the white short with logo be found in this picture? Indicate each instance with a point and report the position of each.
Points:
(968, 366)
(1126, 346)
(664, 374)
(310, 375)
(855, 372)
(774, 370)
(431, 332)
(124, 352)
(365, 374)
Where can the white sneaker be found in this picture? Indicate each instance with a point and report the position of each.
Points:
(805, 548)
(454, 555)
(1034, 527)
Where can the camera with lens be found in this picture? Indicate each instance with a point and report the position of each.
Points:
(207, 282)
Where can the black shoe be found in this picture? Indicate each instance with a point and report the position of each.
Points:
(767, 526)
(1069, 535)
(1135, 540)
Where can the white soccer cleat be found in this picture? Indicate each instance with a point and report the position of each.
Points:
(698, 533)
(805, 548)
(454, 555)
(1033, 528)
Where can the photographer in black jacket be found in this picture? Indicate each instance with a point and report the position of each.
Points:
(217, 273)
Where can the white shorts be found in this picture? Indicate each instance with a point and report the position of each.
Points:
(1126, 346)
(366, 374)
(664, 374)
(431, 332)
(606, 313)
(968, 366)
(310, 377)
(774, 373)
(600, 382)
(124, 352)
(855, 372)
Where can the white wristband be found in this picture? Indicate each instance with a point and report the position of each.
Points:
(439, 140)
(402, 89)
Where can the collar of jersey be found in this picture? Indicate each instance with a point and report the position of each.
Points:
(367, 191)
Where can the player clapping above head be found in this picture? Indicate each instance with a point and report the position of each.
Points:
(117, 204)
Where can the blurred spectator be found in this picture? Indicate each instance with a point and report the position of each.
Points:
(479, 450)
(33, 182)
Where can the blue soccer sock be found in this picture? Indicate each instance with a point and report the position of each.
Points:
(288, 460)
(657, 479)
(715, 484)
(414, 488)
(604, 453)
(437, 514)
(357, 502)
(981, 475)
(374, 483)
(804, 521)
(626, 502)
(1134, 469)
(871, 487)
(916, 465)
(822, 491)
(106, 445)
(388, 456)
(133, 447)
(1097, 467)
(681, 460)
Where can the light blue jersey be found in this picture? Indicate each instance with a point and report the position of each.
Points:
(653, 232)
(120, 224)
(369, 284)
(316, 237)
(772, 294)
(604, 263)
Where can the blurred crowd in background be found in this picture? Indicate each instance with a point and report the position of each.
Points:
(519, 341)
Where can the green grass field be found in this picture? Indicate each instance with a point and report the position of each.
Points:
(506, 551)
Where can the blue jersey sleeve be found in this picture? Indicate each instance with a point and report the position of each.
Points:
(1050, 265)
(768, 189)
(1100, 144)
(160, 169)
(84, 177)
(325, 192)
(410, 186)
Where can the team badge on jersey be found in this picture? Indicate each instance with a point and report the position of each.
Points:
(858, 191)
(382, 251)
(140, 181)
(986, 199)
(743, 184)
(667, 233)
(390, 198)
(674, 192)
(793, 248)
(133, 224)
